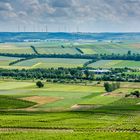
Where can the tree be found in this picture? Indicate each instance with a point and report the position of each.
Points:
(136, 93)
(39, 84)
(107, 86)
(111, 86)
(129, 53)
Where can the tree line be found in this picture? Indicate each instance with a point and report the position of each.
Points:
(128, 56)
(34, 49)
(19, 60)
(64, 74)
(60, 73)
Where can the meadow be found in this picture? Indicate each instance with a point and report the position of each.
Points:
(60, 47)
(41, 63)
(52, 63)
(27, 112)
(115, 64)
(4, 61)
(69, 47)
(12, 49)
(64, 111)
(109, 48)
(57, 50)
(42, 48)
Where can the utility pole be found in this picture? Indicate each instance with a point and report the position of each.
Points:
(46, 28)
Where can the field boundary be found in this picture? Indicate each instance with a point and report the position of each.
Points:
(24, 129)
(34, 49)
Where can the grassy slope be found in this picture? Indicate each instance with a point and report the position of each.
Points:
(70, 94)
(13, 103)
(57, 50)
(4, 61)
(52, 62)
(90, 48)
(114, 114)
(68, 136)
(109, 48)
(115, 64)
(12, 48)
(52, 47)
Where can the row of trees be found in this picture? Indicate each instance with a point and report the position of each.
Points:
(89, 62)
(19, 60)
(109, 87)
(34, 49)
(122, 77)
(60, 73)
(128, 56)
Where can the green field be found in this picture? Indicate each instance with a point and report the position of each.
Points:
(67, 95)
(115, 64)
(110, 116)
(55, 47)
(57, 50)
(66, 63)
(41, 63)
(52, 62)
(12, 49)
(61, 111)
(109, 48)
(4, 61)
(12, 103)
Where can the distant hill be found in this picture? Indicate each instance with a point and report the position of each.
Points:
(38, 36)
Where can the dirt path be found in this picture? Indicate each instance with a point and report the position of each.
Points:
(78, 107)
(34, 129)
(63, 130)
(113, 94)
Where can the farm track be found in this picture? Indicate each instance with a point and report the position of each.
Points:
(61, 130)
(35, 129)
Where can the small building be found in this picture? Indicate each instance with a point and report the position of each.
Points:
(99, 71)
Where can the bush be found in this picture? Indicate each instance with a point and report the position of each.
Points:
(127, 95)
(136, 93)
(111, 86)
(39, 84)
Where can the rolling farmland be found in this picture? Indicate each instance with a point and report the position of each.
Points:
(57, 50)
(108, 116)
(109, 48)
(52, 62)
(115, 64)
(66, 95)
(65, 47)
(73, 102)
(55, 47)
(4, 61)
(12, 49)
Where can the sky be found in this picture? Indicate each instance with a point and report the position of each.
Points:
(70, 15)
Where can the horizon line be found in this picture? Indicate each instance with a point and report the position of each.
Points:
(67, 32)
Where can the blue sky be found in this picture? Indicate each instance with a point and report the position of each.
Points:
(70, 15)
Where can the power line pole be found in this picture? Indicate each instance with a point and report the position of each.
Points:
(46, 28)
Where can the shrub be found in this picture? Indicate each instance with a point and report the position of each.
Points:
(111, 86)
(136, 93)
(39, 84)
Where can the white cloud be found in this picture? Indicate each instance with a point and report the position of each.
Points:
(5, 6)
(96, 12)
